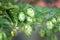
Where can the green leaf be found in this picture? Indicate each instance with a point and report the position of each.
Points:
(4, 36)
(43, 10)
(5, 24)
(4, 21)
(57, 10)
(0, 36)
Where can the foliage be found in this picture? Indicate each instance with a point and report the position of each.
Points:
(50, 23)
(14, 17)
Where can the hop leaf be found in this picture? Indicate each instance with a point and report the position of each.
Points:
(4, 36)
(0, 36)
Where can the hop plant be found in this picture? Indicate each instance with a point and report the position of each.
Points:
(13, 16)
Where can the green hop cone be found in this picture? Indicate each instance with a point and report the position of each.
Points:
(29, 19)
(53, 37)
(30, 12)
(0, 4)
(49, 25)
(1, 12)
(21, 16)
(28, 30)
(54, 20)
(58, 19)
(42, 32)
(47, 32)
(59, 28)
